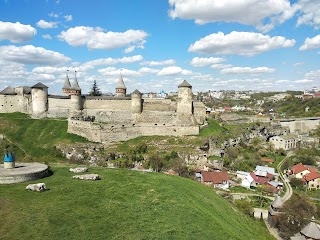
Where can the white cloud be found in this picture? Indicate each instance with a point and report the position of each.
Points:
(146, 70)
(173, 70)
(113, 61)
(297, 64)
(159, 63)
(201, 62)
(47, 36)
(247, 70)
(97, 38)
(282, 81)
(45, 24)
(303, 81)
(54, 15)
(112, 71)
(311, 43)
(264, 15)
(239, 43)
(31, 55)
(220, 66)
(309, 13)
(16, 32)
(313, 75)
(68, 18)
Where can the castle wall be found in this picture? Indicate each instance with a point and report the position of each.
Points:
(107, 133)
(15, 103)
(301, 125)
(159, 105)
(199, 111)
(109, 116)
(107, 104)
(58, 107)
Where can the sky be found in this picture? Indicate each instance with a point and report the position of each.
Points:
(269, 45)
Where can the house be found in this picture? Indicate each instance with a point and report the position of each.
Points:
(242, 175)
(312, 180)
(299, 170)
(216, 179)
(274, 187)
(266, 169)
(248, 182)
(261, 177)
(285, 142)
(311, 232)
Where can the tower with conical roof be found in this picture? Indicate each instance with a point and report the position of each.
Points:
(75, 92)
(67, 86)
(274, 211)
(121, 89)
(184, 104)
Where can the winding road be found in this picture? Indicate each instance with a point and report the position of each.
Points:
(284, 179)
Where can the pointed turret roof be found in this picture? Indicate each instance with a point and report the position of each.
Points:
(184, 84)
(39, 85)
(67, 84)
(312, 230)
(8, 91)
(277, 203)
(137, 92)
(121, 83)
(75, 84)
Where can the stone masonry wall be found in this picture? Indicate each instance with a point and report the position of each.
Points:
(112, 104)
(107, 133)
(151, 104)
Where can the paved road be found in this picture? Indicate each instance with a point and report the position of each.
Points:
(284, 179)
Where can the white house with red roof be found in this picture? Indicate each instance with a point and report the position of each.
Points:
(216, 179)
(299, 170)
(312, 180)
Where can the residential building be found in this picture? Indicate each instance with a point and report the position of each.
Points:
(312, 180)
(299, 170)
(216, 179)
(285, 142)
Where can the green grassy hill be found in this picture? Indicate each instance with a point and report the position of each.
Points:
(35, 139)
(122, 205)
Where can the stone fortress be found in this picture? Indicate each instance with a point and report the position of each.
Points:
(107, 119)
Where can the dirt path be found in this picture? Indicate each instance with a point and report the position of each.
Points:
(284, 179)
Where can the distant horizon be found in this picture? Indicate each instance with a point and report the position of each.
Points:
(155, 45)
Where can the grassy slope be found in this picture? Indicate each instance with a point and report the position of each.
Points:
(36, 137)
(123, 205)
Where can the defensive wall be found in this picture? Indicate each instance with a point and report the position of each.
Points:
(107, 133)
(301, 125)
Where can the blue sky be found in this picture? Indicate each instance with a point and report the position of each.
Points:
(270, 45)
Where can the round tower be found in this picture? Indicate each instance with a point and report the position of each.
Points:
(75, 92)
(121, 89)
(136, 102)
(39, 95)
(9, 160)
(67, 86)
(184, 105)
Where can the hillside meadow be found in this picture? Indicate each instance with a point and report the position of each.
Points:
(124, 204)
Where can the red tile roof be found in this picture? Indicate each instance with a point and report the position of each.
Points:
(267, 160)
(215, 177)
(311, 176)
(312, 169)
(298, 168)
(260, 179)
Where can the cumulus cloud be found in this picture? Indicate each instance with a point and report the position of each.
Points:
(16, 32)
(201, 62)
(264, 15)
(173, 70)
(220, 66)
(311, 43)
(54, 15)
(146, 70)
(112, 71)
(239, 43)
(47, 36)
(97, 38)
(309, 13)
(159, 63)
(45, 24)
(313, 75)
(297, 64)
(303, 81)
(247, 70)
(68, 18)
(32, 55)
(113, 61)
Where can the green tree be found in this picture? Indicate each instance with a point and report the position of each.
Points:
(95, 91)
(296, 213)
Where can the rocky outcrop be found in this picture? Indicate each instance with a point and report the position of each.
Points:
(38, 187)
(87, 177)
(78, 170)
